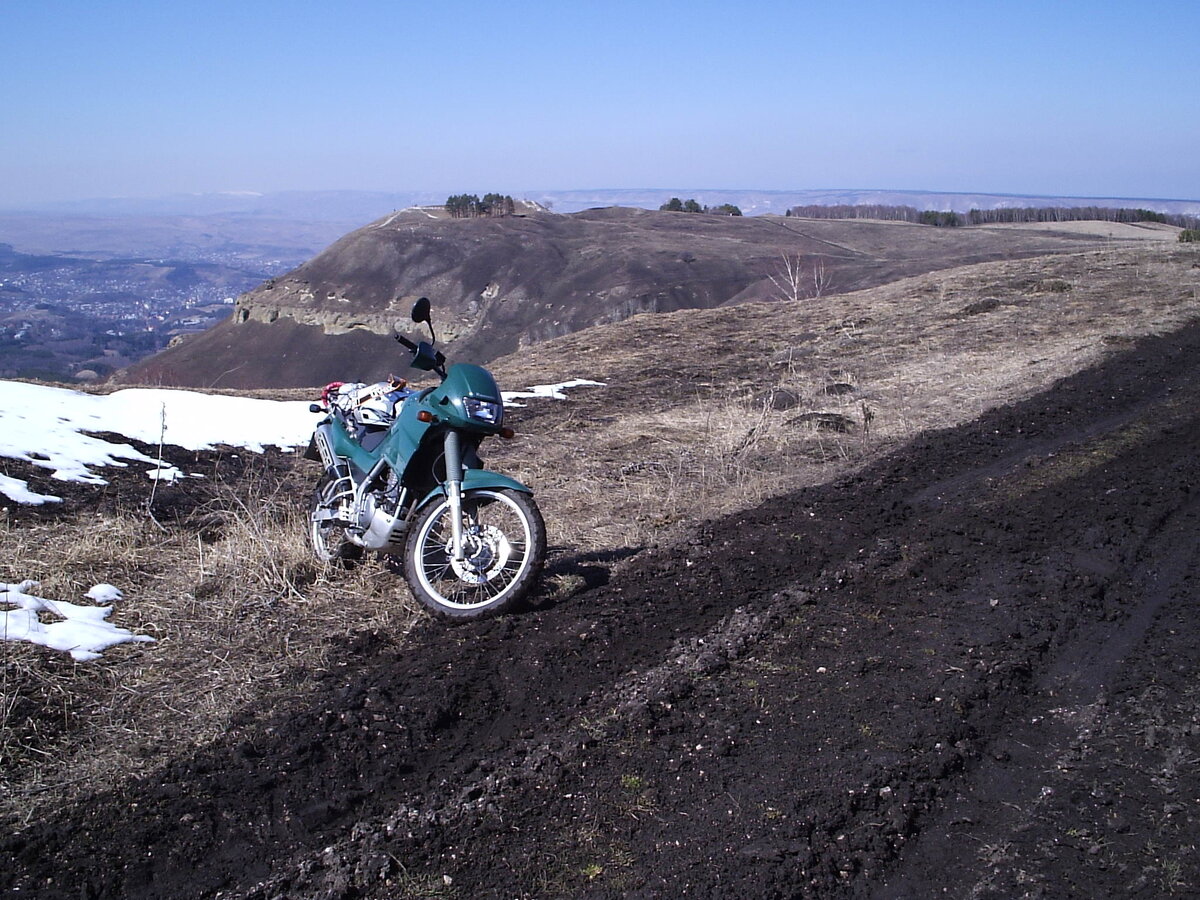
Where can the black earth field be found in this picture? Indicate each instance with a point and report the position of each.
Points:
(968, 670)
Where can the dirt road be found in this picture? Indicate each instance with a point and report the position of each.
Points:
(970, 670)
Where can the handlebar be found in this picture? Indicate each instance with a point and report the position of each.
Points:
(425, 355)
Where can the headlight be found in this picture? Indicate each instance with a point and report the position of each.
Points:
(484, 410)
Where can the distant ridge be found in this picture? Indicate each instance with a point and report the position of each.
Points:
(360, 207)
(753, 202)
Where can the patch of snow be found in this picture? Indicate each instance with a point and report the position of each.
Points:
(104, 593)
(18, 490)
(392, 218)
(165, 472)
(81, 630)
(550, 391)
(46, 425)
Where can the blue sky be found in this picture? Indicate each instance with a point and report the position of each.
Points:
(145, 98)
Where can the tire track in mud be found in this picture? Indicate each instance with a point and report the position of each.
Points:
(982, 843)
(612, 746)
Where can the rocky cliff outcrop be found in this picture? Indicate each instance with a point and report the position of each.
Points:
(500, 283)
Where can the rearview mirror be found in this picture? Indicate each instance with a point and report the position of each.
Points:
(420, 310)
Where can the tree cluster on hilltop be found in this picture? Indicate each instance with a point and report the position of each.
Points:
(992, 216)
(691, 206)
(469, 206)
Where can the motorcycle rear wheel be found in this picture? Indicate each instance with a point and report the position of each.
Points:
(504, 549)
(328, 536)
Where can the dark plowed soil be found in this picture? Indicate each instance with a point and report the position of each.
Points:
(968, 671)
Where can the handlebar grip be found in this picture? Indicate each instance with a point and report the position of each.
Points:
(401, 339)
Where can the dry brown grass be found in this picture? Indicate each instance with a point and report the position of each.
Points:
(1126, 231)
(682, 431)
(236, 606)
(687, 428)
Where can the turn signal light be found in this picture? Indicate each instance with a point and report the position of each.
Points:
(426, 416)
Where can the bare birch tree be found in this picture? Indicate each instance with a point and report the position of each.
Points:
(821, 277)
(794, 282)
(790, 278)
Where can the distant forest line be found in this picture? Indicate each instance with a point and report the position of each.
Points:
(993, 216)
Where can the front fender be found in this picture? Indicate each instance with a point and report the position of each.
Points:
(474, 479)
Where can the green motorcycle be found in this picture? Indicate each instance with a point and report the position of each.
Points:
(402, 476)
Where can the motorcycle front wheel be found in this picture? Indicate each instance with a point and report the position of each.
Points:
(504, 548)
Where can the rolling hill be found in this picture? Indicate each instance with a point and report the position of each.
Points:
(887, 593)
(499, 284)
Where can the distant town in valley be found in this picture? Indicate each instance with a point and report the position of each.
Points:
(78, 318)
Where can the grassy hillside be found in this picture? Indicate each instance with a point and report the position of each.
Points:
(704, 413)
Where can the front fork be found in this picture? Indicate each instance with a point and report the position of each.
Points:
(454, 475)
